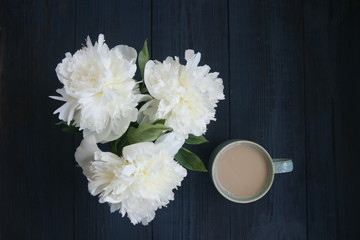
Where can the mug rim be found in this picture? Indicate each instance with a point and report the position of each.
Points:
(214, 157)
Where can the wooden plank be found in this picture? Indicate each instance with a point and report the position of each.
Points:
(332, 57)
(345, 120)
(122, 22)
(319, 82)
(43, 194)
(198, 211)
(267, 106)
(36, 162)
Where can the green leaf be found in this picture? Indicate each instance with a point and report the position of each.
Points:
(190, 160)
(145, 132)
(71, 129)
(118, 144)
(143, 89)
(192, 139)
(61, 123)
(161, 121)
(143, 58)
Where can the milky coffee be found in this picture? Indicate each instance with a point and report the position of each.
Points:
(242, 170)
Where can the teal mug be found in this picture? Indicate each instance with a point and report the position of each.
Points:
(272, 166)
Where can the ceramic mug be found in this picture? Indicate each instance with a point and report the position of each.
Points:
(278, 165)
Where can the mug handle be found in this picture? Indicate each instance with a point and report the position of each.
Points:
(282, 165)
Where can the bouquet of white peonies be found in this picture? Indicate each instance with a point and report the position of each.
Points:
(145, 122)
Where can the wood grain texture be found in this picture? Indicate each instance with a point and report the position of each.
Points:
(267, 106)
(122, 22)
(36, 166)
(319, 67)
(346, 120)
(198, 211)
(332, 56)
(291, 73)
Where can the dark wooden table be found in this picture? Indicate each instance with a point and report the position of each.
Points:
(290, 69)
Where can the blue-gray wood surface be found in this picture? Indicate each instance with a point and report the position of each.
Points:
(290, 69)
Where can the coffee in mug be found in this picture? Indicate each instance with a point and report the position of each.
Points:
(243, 171)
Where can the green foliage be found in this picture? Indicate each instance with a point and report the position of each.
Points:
(192, 139)
(117, 145)
(143, 58)
(146, 132)
(190, 160)
(161, 121)
(69, 128)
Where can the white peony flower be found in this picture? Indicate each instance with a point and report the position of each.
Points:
(184, 95)
(99, 90)
(139, 182)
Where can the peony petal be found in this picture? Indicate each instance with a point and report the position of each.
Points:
(99, 91)
(128, 53)
(192, 59)
(67, 110)
(131, 152)
(148, 71)
(171, 142)
(137, 184)
(128, 170)
(84, 154)
(186, 95)
(145, 118)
